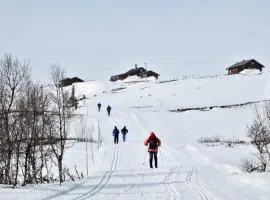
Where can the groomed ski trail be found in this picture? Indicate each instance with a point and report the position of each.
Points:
(126, 178)
(105, 179)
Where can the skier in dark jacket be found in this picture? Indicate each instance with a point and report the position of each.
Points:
(124, 132)
(99, 106)
(153, 143)
(109, 110)
(116, 135)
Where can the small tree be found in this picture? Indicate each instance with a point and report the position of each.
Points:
(259, 134)
(14, 74)
(60, 122)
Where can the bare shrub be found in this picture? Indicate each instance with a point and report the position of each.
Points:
(59, 126)
(205, 139)
(14, 74)
(249, 166)
(33, 125)
(259, 134)
(217, 139)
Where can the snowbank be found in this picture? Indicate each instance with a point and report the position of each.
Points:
(250, 71)
(138, 79)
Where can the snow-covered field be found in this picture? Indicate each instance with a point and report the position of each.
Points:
(187, 169)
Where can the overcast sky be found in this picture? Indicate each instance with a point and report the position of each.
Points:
(96, 39)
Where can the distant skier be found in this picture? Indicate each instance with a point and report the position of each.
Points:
(99, 106)
(109, 110)
(154, 143)
(124, 132)
(116, 135)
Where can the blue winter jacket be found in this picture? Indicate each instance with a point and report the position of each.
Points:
(115, 132)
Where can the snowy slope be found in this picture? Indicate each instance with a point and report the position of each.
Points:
(187, 169)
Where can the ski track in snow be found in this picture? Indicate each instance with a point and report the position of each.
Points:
(191, 180)
(105, 179)
(191, 177)
(173, 194)
(194, 185)
(178, 180)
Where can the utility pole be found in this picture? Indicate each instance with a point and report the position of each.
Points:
(98, 135)
(86, 154)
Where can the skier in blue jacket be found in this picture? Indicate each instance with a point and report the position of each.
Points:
(109, 110)
(124, 132)
(116, 135)
(99, 106)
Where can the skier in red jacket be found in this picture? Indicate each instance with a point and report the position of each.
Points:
(153, 143)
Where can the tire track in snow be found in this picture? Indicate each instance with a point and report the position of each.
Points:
(105, 179)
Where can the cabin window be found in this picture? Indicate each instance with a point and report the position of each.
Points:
(234, 71)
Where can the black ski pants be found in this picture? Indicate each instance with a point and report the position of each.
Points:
(116, 138)
(151, 155)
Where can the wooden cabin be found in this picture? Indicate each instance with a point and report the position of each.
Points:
(245, 64)
(69, 81)
(137, 71)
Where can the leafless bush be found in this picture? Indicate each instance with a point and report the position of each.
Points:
(60, 122)
(248, 165)
(33, 125)
(217, 139)
(14, 74)
(259, 134)
(205, 139)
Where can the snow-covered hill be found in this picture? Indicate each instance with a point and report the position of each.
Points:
(187, 169)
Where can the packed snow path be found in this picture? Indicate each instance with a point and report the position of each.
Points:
(175, 182)
(125, 173)
(185, 170)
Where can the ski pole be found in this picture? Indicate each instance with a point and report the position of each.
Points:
(160, 155)
(144, 156)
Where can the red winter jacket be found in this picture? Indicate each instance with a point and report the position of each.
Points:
(146, 142)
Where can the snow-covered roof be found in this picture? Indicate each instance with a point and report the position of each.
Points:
(244, 62)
